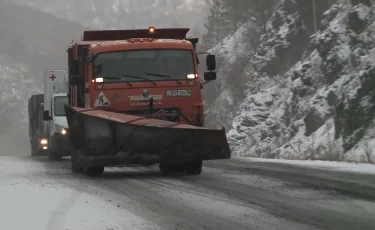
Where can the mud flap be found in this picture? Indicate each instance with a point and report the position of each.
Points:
(113, 138)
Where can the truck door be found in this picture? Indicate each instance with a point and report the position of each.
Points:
(52, 121)
(72, 93)
(87, 85)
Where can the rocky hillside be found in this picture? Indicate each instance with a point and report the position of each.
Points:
(308, 95)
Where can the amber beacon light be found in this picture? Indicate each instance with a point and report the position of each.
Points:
(151, 30)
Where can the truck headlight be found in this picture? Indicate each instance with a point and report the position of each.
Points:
(60, 129)
(190, 76)
(43, 142)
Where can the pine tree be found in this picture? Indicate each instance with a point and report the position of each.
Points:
(260, 10)
(225, 17)
(236, 12)
(211, 36)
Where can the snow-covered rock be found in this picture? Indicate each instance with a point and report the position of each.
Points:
(321, 106)
(232, 56)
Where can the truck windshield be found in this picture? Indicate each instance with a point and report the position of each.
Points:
(164, 64)
(60, 102)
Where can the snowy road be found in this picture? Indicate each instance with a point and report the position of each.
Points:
(38, 194)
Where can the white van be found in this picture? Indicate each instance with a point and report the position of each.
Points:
(55, 124)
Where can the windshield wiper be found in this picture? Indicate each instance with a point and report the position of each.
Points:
(162, 75)
(118, 78)
(137, 77)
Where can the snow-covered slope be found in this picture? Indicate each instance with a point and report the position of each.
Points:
(318, 107)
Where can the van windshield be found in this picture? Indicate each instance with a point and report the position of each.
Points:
(155, 65)
(60, 102)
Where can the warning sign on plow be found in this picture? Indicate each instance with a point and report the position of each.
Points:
(102, 100)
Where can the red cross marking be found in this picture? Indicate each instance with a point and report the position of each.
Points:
(52, 77)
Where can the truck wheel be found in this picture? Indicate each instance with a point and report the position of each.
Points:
(194, 168)
(165, 168)
(34, 148)
(95, 171)
(74, 164)
(75, 168)
(52, 155)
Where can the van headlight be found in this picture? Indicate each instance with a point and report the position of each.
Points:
(60, 129)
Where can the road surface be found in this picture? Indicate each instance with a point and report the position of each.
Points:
(229, 194)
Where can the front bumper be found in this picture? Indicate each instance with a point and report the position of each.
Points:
(61, 144)
(42, 149)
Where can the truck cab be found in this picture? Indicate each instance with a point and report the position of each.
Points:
(151, 73)
(55, 123)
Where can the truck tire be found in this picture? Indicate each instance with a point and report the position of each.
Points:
(165, 168)
(52, 155)
(95, 171)
(194, 168)
(76, 169)
(34, 148)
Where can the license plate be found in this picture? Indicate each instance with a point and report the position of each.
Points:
(179, 93)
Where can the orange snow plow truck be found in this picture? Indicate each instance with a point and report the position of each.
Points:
(135, 98)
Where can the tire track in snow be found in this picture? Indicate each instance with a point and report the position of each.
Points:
(275, 200)
(168, 212)
(217, 210)
(57, 217)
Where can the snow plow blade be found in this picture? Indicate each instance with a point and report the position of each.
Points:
(109, 139)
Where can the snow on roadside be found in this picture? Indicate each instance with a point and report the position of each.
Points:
(34, 202)
(327, 165)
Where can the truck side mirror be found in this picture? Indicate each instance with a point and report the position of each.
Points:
(211, 62)
(46, 116)
(210, 76)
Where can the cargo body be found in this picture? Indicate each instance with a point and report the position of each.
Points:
(140, 102)
(55, 123)
(37, 136)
